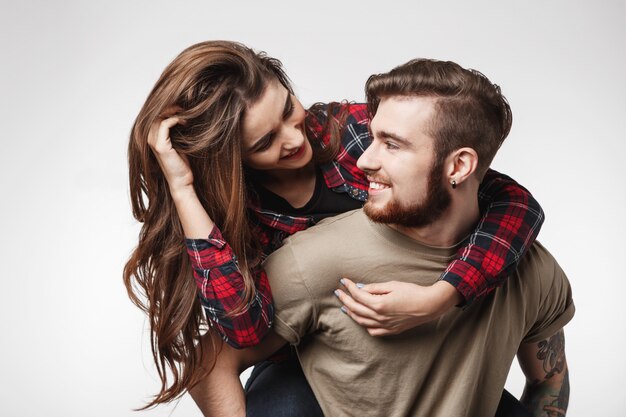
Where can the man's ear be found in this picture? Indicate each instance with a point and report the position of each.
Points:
(461, 164)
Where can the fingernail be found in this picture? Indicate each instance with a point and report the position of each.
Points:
(342, 281)
(336, 293)
(344, 309)
(359, 285)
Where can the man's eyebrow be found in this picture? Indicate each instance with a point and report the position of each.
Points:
(266, 136)
(389, 135)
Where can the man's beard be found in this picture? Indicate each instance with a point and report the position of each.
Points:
(436, 201)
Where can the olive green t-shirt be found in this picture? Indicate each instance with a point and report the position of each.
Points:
(451, 367)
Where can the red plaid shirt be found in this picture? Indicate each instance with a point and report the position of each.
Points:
(510, 223)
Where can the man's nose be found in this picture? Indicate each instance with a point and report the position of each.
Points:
(368, 160)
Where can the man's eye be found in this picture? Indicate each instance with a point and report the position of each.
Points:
(391, 146)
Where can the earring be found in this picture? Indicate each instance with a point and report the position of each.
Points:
(453, 183)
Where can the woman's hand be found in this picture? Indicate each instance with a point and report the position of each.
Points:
(393, 307)
(175, 167)
(195, 221)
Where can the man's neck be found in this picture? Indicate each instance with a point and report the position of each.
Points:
(458, 221)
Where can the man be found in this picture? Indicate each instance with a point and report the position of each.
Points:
(436, 129)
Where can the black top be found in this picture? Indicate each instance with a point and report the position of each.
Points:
(324, 202)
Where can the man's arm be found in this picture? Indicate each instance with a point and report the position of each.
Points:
(547, 378)
(220, 393)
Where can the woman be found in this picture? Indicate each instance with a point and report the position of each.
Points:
(223, 153)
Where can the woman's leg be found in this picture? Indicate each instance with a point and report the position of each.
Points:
(279, 389)
(511, 407)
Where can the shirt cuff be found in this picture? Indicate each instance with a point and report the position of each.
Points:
(468, 280)
(214, 239)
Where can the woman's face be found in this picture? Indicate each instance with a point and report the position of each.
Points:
(273, 132)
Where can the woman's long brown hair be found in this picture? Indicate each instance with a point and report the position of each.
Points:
(210, 85)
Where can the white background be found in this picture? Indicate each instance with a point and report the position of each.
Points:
(74, 75)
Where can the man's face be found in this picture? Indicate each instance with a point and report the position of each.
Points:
(406, 184)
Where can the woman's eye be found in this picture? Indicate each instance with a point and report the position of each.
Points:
(265, 145)
(289, 111)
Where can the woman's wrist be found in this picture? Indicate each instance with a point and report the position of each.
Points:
(193, 217)
(183, 193)
(447, 295)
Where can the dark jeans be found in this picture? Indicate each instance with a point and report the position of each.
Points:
(510, 407)
(279, 389)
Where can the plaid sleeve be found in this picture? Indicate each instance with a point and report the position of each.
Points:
(509, 225)
(220, 288)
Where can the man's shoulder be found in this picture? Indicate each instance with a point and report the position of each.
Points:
(330, 230)
(308, 262)
(540, 265)
(326, 240)
(542, 280)
(546, 293)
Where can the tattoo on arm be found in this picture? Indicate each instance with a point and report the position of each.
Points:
(558, 407)
(552, 353)
(547, 389)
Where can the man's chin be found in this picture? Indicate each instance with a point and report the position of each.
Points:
(414, 216)
(378, 214)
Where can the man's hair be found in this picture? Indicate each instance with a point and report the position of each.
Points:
(470, 111)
